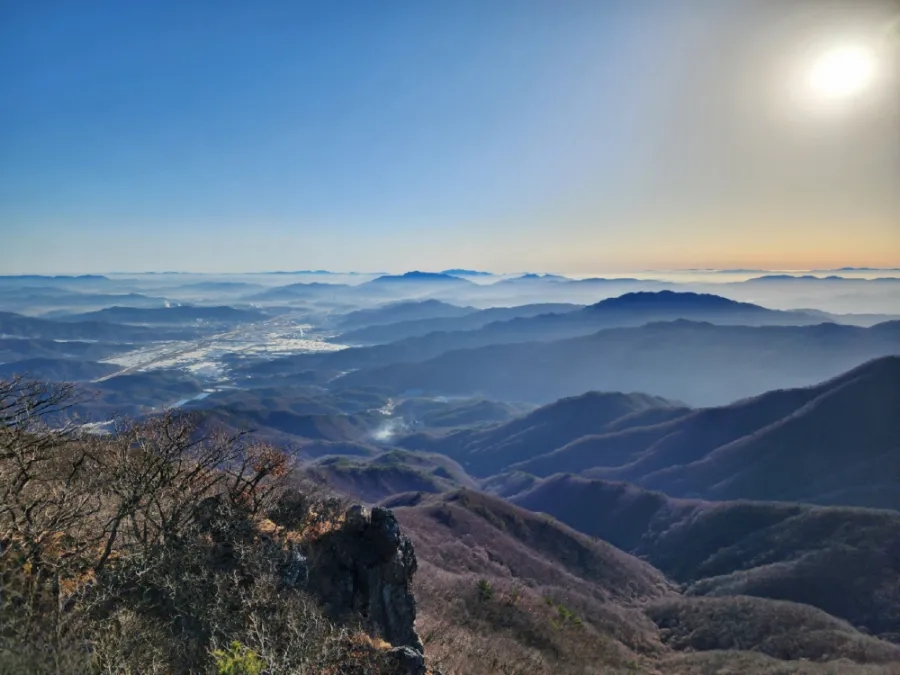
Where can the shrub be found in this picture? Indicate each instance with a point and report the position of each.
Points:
(484, 589)
(237, 660)
(565, 617)
(146, 552)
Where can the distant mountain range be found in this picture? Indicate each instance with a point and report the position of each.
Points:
(51, 300)
(636, 309)
(301, 291)
(529, 323)
(532, 276)
(466, 273)
(472, 320)
(220, 286)
(60, 278)
(771, 278)
(454, 286)
(864, 269)
(17, 349)
(409, 310)
(16, 325)
(170, 315)
(419, 278)
(56, 369)
(697, 363)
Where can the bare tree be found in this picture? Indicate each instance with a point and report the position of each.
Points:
(146, 549)
(158, 477)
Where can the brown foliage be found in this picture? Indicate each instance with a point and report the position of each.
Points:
(146, 549)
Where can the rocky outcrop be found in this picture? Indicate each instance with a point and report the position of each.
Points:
(408, 661)
(365, 568)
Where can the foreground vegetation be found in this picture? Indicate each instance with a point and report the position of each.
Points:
(156, 549)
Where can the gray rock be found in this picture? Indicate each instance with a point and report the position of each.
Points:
(408, 661)
(296, 573)
(357, 517)
(366, 567)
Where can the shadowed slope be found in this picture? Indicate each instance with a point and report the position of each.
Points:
(488, 451)
(827, 444)
(843, 560)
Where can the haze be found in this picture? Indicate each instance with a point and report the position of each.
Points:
(576, 137)
(461, 337)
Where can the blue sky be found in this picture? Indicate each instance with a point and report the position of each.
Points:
(561, 136)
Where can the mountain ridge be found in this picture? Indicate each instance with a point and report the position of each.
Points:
(675, 360)
(825, 444)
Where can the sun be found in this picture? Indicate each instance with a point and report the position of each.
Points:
(842, 72)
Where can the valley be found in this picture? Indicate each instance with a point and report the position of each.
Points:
(663, 479)
(278, 336)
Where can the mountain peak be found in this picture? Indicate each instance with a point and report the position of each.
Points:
(544, 277)
(672, 300)
(784, 277)
(417, 276)
(466, 273)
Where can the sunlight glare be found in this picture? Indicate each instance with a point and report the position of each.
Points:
(843, 72)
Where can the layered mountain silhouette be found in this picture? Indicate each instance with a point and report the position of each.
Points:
(410, 310)
(466, 273)
(57, 281)
(484, 452)
(51, 301)
(170, 315)
(314, 290)
(636, 309)
(417, 277)
(17, 325)
(697, 363)
(56, 369)
(631, 309)
(532, 278)
(221, 286)
(384, 333)
(827, 444)
(16, 349)
(835, 443)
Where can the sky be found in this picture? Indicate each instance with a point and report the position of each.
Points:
(562, 136)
